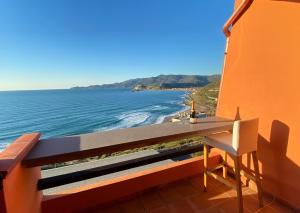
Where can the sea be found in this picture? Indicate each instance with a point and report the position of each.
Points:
(56, 113)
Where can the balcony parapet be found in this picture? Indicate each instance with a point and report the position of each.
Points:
(57, 150)
(85, 198)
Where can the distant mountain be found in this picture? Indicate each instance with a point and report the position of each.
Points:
(161, 81)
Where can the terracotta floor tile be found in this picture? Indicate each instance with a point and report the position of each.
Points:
(197, 183)
(250, 203)
(132, 206)
(205, 200)
(188, 196)
(185, 189)
(163, 209)
(109, 210)
(151, 200)
(169, 195)
(267, 199)
(211, 182)
(217, 195)
(213, 209)
(200, 202)
(182, 206)
(267, 209)
(230, 206)
(282, 209)
(245, 191)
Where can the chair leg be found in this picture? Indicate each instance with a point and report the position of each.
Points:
(238, 184)
(225, 165)
(257, 179)
(248, 166)
(205, 150)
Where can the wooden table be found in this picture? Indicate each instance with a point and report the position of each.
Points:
(56, 150)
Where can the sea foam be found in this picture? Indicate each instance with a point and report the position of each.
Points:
(129, 119)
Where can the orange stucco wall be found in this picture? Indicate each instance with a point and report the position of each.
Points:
(261, 79)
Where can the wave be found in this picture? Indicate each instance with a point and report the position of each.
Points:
(174, 102)
(153, 108)
(129, 119)
(133, 118)
(139, 117)
(161, 118)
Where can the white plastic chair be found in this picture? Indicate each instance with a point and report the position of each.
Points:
(242, 140)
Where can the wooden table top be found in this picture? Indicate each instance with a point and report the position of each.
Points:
(56, 150)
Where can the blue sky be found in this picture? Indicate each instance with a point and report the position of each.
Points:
(59, 43)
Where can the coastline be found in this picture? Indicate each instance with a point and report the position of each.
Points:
(181, 113)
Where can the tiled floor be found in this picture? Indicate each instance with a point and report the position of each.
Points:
(187, 196)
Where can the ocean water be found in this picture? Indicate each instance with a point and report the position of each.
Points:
(57, 113)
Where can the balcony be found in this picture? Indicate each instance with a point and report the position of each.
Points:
(160, 181)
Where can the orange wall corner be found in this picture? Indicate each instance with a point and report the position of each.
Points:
(261, 79)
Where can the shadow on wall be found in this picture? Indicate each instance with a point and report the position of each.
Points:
(279, 172)
(272, 154)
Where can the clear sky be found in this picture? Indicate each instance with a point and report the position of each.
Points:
(64, 43)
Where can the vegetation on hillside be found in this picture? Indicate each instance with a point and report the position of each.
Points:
(206, 97)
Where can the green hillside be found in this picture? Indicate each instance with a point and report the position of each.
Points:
(206, 97)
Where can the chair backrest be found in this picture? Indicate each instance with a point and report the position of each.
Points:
(244, 135)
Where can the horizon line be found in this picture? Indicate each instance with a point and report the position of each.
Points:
(70, 87)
